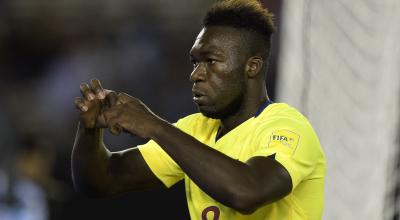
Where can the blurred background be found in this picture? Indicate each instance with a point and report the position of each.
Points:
(338, 62)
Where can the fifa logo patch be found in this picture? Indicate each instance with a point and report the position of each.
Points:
(286, 138)
(279, 138)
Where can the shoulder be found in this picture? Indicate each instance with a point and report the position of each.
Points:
(281, 113)
(283, 117)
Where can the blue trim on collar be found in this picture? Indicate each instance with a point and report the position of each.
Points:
(262, 107)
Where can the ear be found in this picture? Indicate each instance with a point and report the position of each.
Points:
(254, 66)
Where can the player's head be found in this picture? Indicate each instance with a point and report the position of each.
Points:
(249, 16)
(230, 52)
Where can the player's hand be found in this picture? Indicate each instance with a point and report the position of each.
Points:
(93, 102)
(132, 115)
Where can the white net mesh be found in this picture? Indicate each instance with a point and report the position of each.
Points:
(340, 65)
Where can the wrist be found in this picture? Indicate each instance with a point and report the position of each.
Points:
(89, 131)
(158, 128)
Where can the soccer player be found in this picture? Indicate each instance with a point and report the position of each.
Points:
(242, 156)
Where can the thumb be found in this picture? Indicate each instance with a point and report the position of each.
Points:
(115, 129)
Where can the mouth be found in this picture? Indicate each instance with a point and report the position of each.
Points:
(198, 97)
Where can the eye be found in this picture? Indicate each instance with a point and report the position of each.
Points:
(194, 63)
(211, 61)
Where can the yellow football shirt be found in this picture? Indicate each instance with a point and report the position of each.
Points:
(279, 129)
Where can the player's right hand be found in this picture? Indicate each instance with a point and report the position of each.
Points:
(91, 104)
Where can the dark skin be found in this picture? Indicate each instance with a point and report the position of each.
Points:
(228, 84)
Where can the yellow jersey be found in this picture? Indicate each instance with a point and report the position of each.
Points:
(279, 129)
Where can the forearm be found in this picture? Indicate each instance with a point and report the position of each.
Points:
(225, 179)
(89, 161)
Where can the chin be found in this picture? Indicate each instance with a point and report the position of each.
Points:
(210, 115)
(222, 111)
(213, 113)
(208, 112)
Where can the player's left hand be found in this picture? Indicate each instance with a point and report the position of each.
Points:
(132, 115)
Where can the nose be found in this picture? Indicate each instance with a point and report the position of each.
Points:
(198, 74)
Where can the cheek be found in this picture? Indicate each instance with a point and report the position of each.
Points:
(225, 86)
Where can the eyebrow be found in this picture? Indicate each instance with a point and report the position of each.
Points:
(209, 51)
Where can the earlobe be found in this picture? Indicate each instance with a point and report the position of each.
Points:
(254, 66)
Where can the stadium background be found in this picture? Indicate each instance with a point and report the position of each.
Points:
(337, 61)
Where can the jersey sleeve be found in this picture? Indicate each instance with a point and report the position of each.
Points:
(160, 163)
(295, 146)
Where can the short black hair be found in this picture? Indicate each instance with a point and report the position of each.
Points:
(249, 15)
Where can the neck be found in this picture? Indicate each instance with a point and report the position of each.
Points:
(249, 107)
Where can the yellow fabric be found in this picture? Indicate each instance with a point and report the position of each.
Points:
(280, 130)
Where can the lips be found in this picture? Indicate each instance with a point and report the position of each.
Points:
(198, 96)
(196, 92)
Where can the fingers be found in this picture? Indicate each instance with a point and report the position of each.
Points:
(92, 91)
(80, 104)
(111, 117)
(111, 113)
(97, 88)
(111, 124)
(111, 98)
(87, 92)
(107, 116)
(94, 103)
